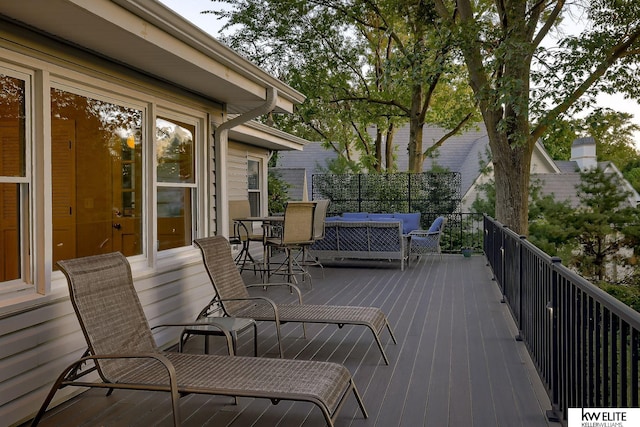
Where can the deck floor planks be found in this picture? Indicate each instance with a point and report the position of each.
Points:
(456, 362)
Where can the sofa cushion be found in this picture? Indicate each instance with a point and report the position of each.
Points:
(410, 221)
(436, 225)
(332, 218)
(377, 216)
(360, 215)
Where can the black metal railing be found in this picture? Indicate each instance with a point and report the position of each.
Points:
(584, 342)
(462, 230)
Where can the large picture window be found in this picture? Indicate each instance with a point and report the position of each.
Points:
(176, 192)
(14, 179)
(96, 166)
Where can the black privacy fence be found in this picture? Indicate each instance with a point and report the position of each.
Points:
(584, 342)
(395, 192)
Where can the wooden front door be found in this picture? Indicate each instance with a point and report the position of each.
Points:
(64, 209)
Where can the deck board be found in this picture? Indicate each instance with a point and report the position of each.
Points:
(456, 362)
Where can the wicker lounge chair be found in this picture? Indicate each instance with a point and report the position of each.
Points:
(122, 349)
(232, 295)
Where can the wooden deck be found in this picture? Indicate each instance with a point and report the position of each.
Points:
(456, 362)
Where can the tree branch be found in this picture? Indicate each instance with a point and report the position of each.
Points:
(553, 16)
(430, 150)
(618, 51)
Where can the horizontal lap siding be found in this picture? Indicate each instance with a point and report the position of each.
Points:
(237, 171)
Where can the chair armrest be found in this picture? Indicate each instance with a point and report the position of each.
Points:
(222, 329)
(423, 233)
(276, 316)
(290, 285)
(171, 371)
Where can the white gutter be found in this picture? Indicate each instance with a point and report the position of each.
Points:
(221, 147)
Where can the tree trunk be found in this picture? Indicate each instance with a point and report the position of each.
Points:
(511, 170)
(378, 142)
(415, 131)
(388, 149)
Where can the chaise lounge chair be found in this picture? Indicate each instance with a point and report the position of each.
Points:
(122, 349)
(233, 297)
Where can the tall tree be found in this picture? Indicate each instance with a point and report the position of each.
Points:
(521, 87)
(600, 222)
(613, 133)
(362, 64)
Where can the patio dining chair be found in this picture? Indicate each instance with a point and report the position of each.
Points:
(242, 234)
(231, 293)
(122, 349)
(319, 216)
(295, 232)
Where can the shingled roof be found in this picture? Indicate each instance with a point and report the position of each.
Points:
(461, 153)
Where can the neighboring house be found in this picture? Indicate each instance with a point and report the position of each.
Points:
(296, 178)
(125, 128)
(562, 185)
(464, 154)
(315, 159)
(460, 153)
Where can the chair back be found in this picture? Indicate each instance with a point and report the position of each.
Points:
(318, 218)
(298, 223)
(438, 224)
(237, 209)
(223, 272)
(109, 310)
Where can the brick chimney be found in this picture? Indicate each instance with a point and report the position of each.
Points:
(583, 152)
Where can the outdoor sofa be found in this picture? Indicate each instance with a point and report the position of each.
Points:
(362, 235)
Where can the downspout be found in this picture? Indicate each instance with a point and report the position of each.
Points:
(221, 147)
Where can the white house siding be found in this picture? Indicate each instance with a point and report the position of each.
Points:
(237, 171)
(239, 153)
(39, 334)
(36, 344)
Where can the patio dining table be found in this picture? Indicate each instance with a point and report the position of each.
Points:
(267, 224)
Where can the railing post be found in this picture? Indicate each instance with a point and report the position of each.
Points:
(359, 192)
(554, 308)
(503, 264)
(520, 276)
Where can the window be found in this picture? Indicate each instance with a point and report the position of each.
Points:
(254, 186)
(96, 167)
(14, 177)
(176, 186)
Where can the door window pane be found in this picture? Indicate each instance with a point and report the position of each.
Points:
(96, 159)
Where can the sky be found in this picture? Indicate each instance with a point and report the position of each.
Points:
(191, 10)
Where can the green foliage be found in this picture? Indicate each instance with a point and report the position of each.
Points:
(600, 222)
(559, 137)
(549, 227)
(401, 192)
(485, 200)
(278, 191)
(362, 66)
(630, 295)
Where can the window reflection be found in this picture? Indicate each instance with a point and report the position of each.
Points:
(12, 168)
(96, 158)
(176, 183)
